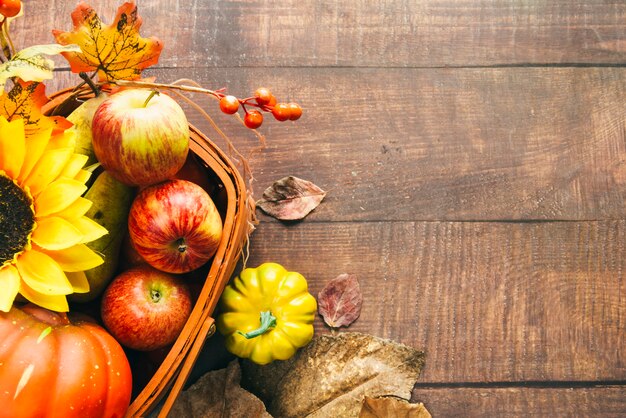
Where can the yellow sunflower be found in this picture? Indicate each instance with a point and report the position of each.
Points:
(43, 227)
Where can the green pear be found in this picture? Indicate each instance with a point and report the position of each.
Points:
(111, 203)
(82, 117)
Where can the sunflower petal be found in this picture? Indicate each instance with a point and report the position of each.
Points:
(43, 274)
(76, 258)
(55, 233)
(10, 285)
(56, 303)
(58, 196)
(35, 146)
(79, 281)
(67, 139)
(47, 169)
(75, 210)
(82, 176)
(74, 165)
(12, 146)
(90, 229)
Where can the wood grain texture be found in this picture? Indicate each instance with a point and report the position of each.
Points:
(364, 33)
(475, 159)
(487, 302)
(597, 402)
(440, 144)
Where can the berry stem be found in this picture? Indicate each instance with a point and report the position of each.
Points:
(263, 100)
(5, 38)
(192, 89)
(217, 94)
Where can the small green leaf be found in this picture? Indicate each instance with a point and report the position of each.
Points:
(44, 334)
(30, 64)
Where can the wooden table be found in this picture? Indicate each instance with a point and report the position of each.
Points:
(474, 155)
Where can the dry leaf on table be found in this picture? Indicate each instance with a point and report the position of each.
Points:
(392, 407)
(290, 198)
(340, 301)
(218, 394)
(331, 376)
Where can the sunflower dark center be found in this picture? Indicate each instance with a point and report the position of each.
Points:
(16, 219)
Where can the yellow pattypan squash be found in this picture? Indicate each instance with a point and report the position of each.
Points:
(267, 313)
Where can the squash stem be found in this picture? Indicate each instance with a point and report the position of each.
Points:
(267, 321)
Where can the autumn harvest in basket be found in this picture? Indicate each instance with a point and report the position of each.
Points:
(121, 225)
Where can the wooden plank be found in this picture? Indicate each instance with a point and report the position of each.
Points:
(605, 402)
(362, 33)
(487, 302)
(440, 144)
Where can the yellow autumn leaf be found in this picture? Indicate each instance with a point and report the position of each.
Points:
(25, 101)
(116, 51)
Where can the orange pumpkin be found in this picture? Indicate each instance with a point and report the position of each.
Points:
(54, 366)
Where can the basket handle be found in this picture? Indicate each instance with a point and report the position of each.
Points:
(207, 330)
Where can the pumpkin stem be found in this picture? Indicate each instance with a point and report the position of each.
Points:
(63, 319)
(267, 321)
(47, 316)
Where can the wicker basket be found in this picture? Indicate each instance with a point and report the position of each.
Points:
(236, 211)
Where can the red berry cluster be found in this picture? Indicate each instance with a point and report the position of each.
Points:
(265, 101)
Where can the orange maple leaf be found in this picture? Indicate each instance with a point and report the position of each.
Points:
(116, 52)
(25, 100)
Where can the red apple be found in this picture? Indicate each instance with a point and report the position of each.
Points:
(194, 172)
(145, 309)
(140, 139)
(175, 226)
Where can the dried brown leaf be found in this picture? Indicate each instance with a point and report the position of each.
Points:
(331, 376)
(340, 301)
(290, 198)
(385, 407)
(218, 394)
